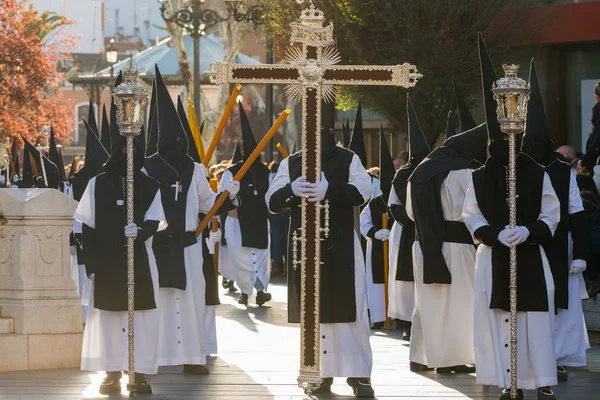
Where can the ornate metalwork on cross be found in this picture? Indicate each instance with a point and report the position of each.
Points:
(311, 73)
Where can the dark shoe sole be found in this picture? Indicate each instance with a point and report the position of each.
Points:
(112, 389)
(263, 299)
(416, 367)
(196, 370)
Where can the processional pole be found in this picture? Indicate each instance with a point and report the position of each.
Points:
(512, 94)
(130, 98)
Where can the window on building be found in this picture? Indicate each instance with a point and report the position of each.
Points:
(81, 113)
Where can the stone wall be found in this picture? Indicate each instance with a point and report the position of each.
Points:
(41, 317)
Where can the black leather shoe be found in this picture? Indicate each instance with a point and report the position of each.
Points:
(416, 367)
(195, 369)
(361, 387)
(545, 393)
(458, 369)
(407, 330)
(225, 283)
(561, 373)
(377, 326)
(111, 384)
(262, 298)
(243, 299)
(231, 287)
(506, 394)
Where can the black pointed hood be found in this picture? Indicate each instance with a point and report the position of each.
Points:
(470, 145)
(14, 153)
(464, 114)
(192, 150)
(248, 140)
(105, 135)
(92, 119)
(152, 146)
(328, 143)
(345, 136)
(450, 126)
(95, 154)
(172, 138)
(536, 141)
(56, 157)
(417, 142)
(51, 168)
(357, 142)
(72, 168)
(237, 153)
(27, 176)
(386, 165)
(488, 78)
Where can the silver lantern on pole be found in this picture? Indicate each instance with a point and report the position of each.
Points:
(130, 98)
(512, 94)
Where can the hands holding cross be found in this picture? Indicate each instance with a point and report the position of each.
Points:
(314, 192)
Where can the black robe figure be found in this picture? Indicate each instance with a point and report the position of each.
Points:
(46, 176)
(402, 235)
(444, 255)
(486, 214)
(567, 257)
(179, 257)
(343, 310)
(247, 228)
(371, 227)
(103, 212)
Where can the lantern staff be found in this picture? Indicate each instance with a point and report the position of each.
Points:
(130, 98)
(512, 94)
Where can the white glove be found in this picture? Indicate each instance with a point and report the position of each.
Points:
(15, 178)
(578, 266)
(300, 187)
(382, 234)
(318, 190)
(518, 235)
(503, 237)
(131, 231)
(212, 239)
(233, 188)
(215, 237)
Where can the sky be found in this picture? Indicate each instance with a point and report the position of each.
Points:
(88, 19)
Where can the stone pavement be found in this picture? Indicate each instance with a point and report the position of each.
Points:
(258, 359)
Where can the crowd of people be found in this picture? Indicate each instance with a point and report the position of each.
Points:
(443, 212)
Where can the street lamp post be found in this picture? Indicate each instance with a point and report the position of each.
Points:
(112, 55)
(194, 20)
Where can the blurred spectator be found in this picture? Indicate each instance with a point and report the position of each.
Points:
(568, 152)
(591, 203)
(401, 160)
(592, 147)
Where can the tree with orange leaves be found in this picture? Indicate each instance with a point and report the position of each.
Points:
(31, 43)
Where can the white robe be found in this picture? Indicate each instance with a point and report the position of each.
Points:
(375, 291)
(401, 294)
(249, 263)
(536, 364)
(570, 334)
(77, 270)
(226, 267)
(345, 347)
(182, 331)
(105, 335)
(442, 329)
(210, 325)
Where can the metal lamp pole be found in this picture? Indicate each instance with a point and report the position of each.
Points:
(195, 20)
(512, 94)
(130, 98)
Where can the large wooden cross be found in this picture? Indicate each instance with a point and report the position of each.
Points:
(311, 74)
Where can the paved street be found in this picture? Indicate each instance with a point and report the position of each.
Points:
(258, 359)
